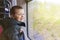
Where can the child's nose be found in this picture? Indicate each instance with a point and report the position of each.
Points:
(22, 15)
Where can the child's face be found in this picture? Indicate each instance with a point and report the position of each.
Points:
(19, 13)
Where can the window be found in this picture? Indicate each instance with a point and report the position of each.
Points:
(44, 19)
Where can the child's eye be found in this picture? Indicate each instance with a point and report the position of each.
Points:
(20, 14)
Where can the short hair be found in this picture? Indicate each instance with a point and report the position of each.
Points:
(12, 10)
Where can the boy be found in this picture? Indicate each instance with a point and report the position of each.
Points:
(12, 25)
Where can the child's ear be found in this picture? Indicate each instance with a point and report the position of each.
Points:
(11, 16)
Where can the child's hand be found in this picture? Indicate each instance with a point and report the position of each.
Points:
(21, 30)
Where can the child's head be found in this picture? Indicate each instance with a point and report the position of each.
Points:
(17, 12)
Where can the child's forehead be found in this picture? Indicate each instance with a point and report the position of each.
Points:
(19, 10)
